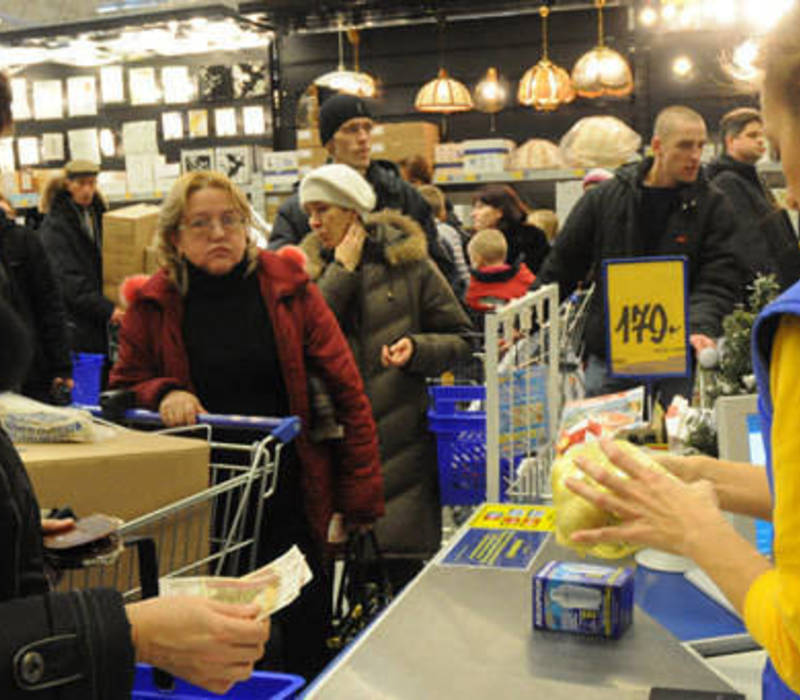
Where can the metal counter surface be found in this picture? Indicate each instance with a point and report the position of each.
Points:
(467, 633)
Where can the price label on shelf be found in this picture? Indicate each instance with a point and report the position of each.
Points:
(647, 317)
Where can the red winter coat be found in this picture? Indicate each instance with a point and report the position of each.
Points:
(152, 361)
(501, 282)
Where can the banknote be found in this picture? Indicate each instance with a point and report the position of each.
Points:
(272, 587)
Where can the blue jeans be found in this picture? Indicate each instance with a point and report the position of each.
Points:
(598, 382)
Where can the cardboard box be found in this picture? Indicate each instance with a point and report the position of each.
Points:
(448, 161)
(279, 168)
(310, 158)
(583, 599)
(128, 475)
(405, 140)
(307, 138)
(126, 234)
(487, 155)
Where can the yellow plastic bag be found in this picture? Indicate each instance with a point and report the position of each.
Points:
(574, 513)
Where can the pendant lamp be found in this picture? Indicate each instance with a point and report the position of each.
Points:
(602, 71)
(491, 93)
(545, 86)
(350, 82)
(443, 94)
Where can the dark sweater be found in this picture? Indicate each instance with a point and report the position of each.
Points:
(231, 345)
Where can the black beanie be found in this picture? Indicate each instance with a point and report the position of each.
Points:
(14, 348)
(336, 110)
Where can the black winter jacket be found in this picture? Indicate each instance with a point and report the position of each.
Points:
(604, 224)
(53, 646)
(33, 292)
(78, 264)
(526, 240)
(391, 192)
(766, 241)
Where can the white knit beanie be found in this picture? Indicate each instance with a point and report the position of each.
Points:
(339, 185)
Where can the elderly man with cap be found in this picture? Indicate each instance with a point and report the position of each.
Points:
(72, 232)
(345, 129)
(403, 324)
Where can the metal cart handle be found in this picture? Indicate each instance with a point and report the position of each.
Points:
(114, 405)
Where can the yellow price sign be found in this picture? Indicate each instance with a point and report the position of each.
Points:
(646, 317)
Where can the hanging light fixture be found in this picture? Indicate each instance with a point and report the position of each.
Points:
(443, 94)
(602, 71)
(545, 86)
(491, 93)
(350, 82)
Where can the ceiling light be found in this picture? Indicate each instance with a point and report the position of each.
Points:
(602, 71)
(443, 94)
(682, 67)
(350, 82)
(545, 86)
(648, 16)
(491, 93)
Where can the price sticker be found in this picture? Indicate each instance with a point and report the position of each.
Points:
(647, 317)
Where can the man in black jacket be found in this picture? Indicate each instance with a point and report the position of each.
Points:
(661, 206)
(28, 283)
(72, 233)
(345, 129)
(766, 241)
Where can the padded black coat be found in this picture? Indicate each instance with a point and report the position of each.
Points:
(604, 224)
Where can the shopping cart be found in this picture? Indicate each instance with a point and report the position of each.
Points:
(214, 531)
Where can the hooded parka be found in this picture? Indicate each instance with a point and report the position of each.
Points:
(397, 291)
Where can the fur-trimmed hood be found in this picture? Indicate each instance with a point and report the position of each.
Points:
(56, 185)
(399, 237)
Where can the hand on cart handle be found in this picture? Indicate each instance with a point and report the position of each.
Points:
(180, 407)
(205, 642)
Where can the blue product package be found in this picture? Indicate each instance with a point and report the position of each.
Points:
(583, 598)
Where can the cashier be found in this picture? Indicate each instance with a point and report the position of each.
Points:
(683, 515)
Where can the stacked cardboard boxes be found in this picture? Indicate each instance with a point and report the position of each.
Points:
(405, 140)
(127, 233)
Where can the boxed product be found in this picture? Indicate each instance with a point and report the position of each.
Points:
(126, 234)
(405, 140)
(280, 167)
(583, 598)
(307, 138)
(310, 158)
(486, 155)
(126, 476)
(448, 161)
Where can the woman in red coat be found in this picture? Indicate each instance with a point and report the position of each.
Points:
(226, 328)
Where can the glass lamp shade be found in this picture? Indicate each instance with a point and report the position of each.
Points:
(443, 94)
(602, 71)
(545, 87)
(491, 93)
(348, 82)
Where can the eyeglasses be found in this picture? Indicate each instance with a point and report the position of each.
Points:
(205, 226)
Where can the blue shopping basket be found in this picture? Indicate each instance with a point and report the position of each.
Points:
(460, 443)
(261, 685)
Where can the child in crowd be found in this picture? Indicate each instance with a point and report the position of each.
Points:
(493, 281)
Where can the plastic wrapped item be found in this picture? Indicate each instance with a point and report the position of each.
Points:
(536, 154)
(26, 420)
(575, 513)
(599, 142)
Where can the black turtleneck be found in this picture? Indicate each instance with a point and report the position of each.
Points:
(230, 342)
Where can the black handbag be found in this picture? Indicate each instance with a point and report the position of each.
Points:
(364, 592)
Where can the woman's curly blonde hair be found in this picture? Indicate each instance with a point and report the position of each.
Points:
(171, 215)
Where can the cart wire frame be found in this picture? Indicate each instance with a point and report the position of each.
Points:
(210, 532)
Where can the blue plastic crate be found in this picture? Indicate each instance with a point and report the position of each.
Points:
(261, 686)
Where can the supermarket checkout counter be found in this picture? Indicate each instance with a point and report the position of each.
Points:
(466, 632)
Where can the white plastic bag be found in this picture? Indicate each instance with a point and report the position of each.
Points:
(26, 420)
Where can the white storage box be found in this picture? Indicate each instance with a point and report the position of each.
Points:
(280, 167)
(486, 155)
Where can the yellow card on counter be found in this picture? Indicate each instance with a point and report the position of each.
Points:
(514, 516)
(647, 317)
